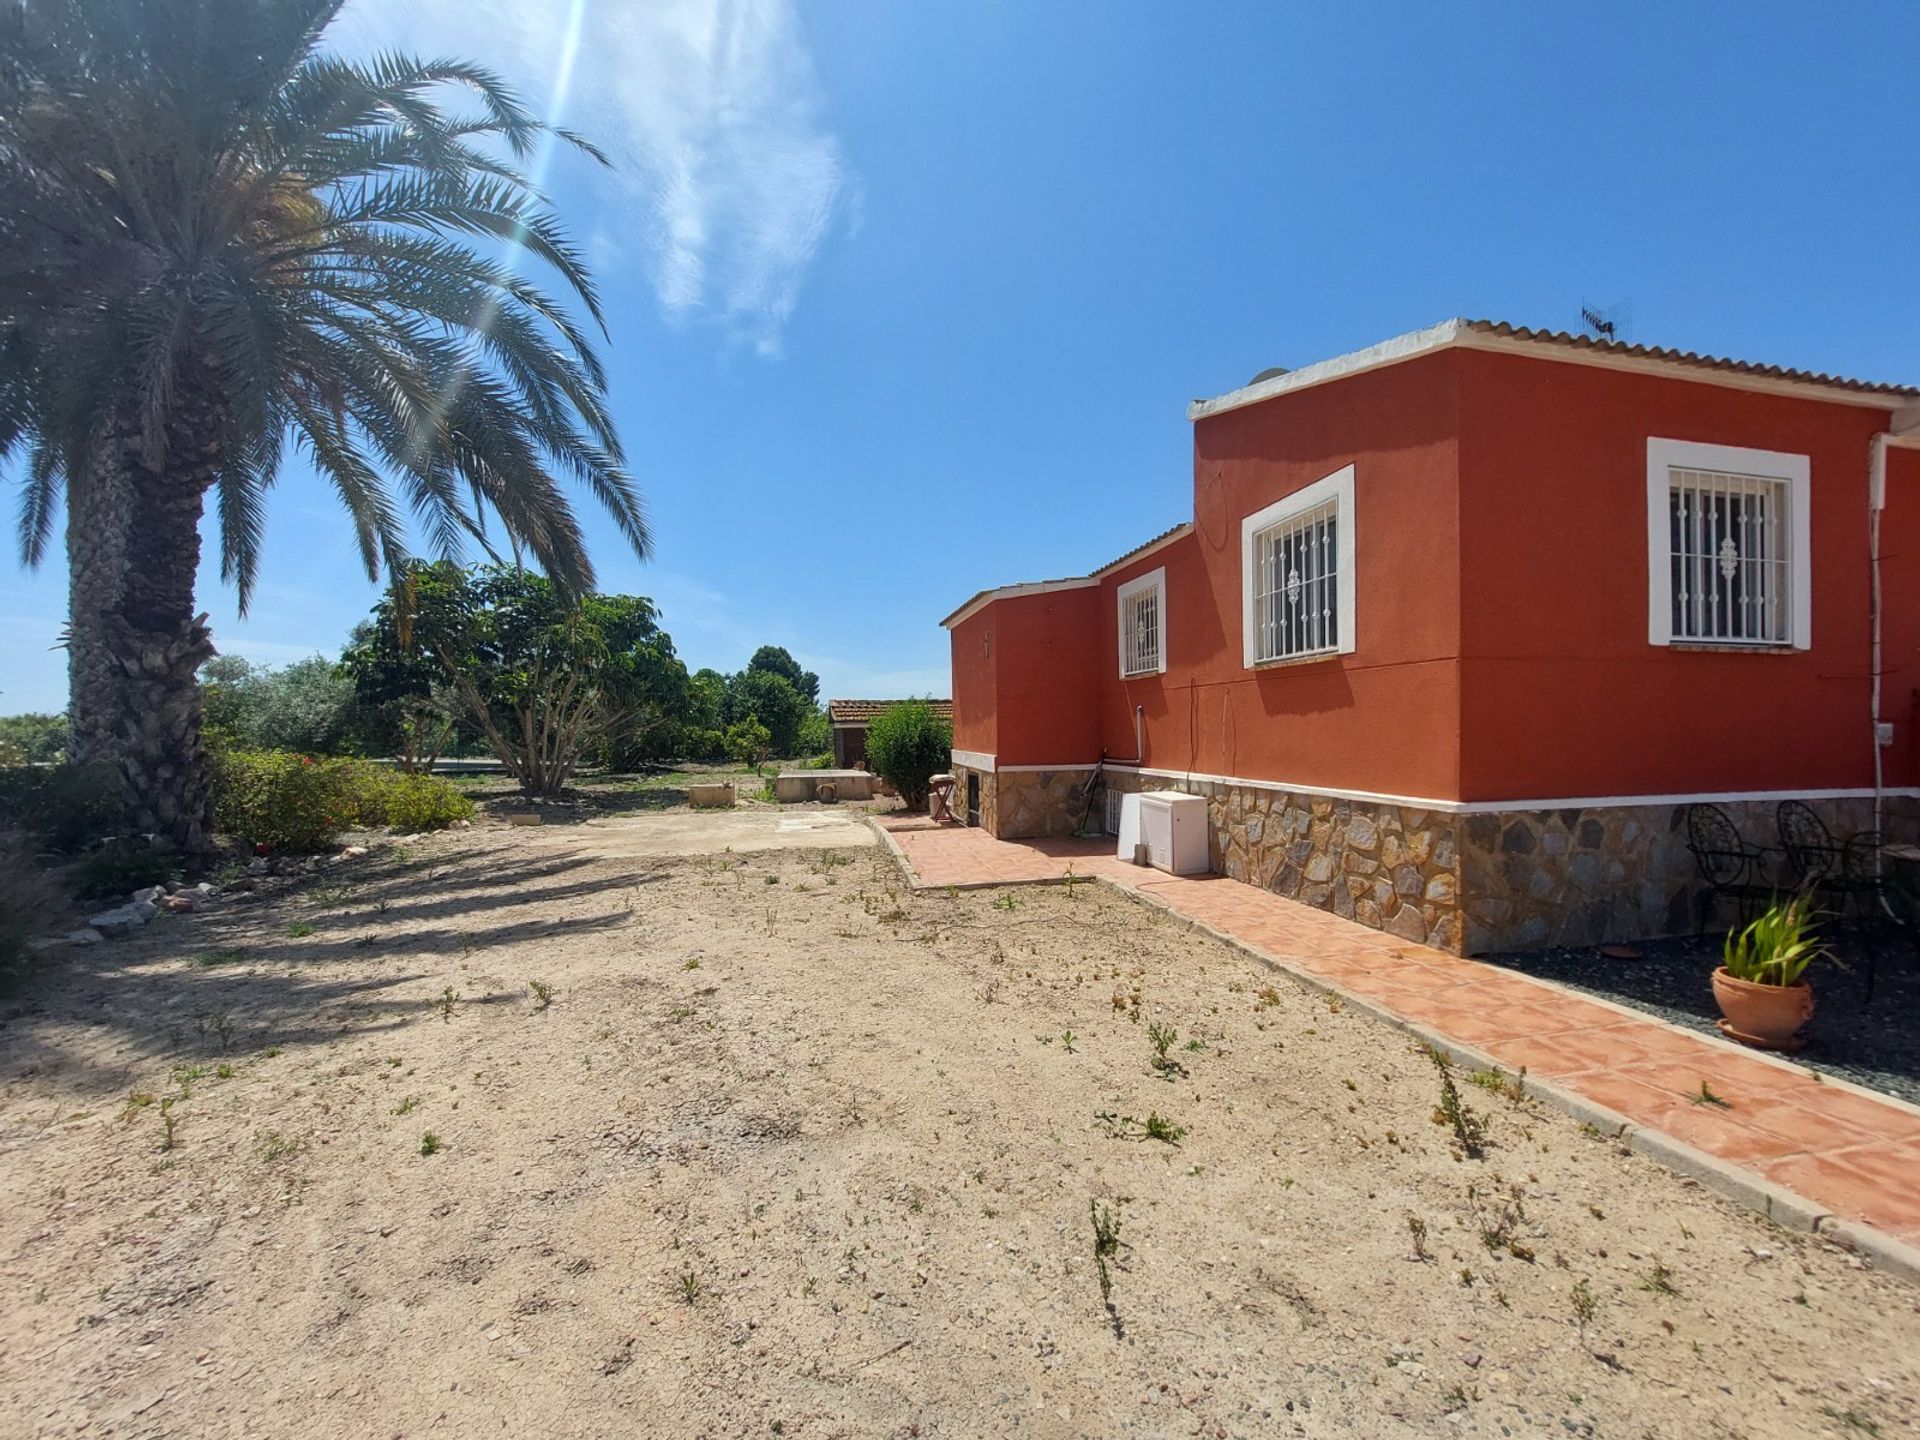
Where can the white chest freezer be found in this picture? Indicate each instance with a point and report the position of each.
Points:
(1173, 828)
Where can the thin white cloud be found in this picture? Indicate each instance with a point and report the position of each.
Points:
(712, 112)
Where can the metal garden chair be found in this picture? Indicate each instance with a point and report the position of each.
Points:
(1731, 867)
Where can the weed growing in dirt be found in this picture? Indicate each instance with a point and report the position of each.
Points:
(1852, 1420)
(275, 1145)
(1500, 1221)
(446, 1005)
(1469, 1128)
(1066, 1041)
(1155, 1127)
(1707, 1097)
(429, 1144)
(207, 959)
(221, 1023)
(406, 1105)
(1417, 1229)
(1007, 902)
(1659, 1280)
(1106, 1251)
(541, 992)
(1069, 881)
(168, 1120)
(1266, 998)
(1585, 1307)
(299, 930)
(1498, 1082)
(693, 963)
(1161, 1038)
(689, 1287)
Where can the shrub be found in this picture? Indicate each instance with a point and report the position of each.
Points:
(28, 900)
(65, 807)
(119, 867)
(286, 801)
(749, 743)
(37, 739)
(422, 802)
(906, 744)
(282, 800)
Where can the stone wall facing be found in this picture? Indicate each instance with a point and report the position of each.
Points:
(989, 814)
(1580, 877)
(1391, 867)
(1480, 884)
(1035, 804)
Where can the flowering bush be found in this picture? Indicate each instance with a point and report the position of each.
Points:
(283, 801)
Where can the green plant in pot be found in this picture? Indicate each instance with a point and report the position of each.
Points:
(1760, 984)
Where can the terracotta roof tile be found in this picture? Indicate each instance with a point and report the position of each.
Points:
(1507, 330)
(855, 712)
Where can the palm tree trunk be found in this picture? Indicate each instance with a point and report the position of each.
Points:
(158, 645)
(97, 505)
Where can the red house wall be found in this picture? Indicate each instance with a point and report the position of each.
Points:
(976, 693)
(1025, 679)
(1383, 719)
(1562, 695)
(1900, 628)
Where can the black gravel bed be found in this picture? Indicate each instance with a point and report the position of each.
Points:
(1876, 1045)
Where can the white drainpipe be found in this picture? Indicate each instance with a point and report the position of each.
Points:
(1905, 422)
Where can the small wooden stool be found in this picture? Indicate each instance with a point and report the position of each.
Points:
(939, 792)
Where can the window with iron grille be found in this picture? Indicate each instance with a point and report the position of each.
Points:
(1727, 546)
(1143, 625)
(1731, 570)
(1297, 557)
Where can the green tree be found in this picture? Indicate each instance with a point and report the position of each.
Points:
(307, 705)
(749, 744)
(216, 237)
(404, 705)
(775, 660)
(771, 699)
(907, 744)
(35, 739)
(645, 685)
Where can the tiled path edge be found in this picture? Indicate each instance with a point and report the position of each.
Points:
(1833, 1158)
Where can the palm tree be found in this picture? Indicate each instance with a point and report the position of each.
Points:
(216, 238)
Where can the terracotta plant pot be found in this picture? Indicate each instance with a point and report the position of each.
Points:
(1767, 1017)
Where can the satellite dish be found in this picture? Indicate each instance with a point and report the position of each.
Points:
(1270, 373)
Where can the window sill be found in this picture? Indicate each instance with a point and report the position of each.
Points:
(1143, 674)
(1707, 647)
(1290, 662)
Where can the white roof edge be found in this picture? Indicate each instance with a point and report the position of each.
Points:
(1462, 332)
(1374, 357)
(1179, 532)
(1011, 592)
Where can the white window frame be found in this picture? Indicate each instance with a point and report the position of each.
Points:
(1665, 456)
(1336, 488)
(1153, 580)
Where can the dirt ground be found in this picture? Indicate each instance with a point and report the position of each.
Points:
(761, 1144)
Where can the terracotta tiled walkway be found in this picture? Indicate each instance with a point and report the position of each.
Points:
(1854, 1155)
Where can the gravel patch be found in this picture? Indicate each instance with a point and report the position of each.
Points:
(1873, 1044)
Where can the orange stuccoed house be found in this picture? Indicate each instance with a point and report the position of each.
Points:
(1463, 625)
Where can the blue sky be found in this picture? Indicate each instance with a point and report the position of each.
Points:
(908, 299)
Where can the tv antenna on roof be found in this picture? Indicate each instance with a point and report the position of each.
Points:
(1613, 323)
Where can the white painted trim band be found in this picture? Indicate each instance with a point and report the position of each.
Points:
(1459, 332)
(973, 760)
(1492, 807)
(1013, 592)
